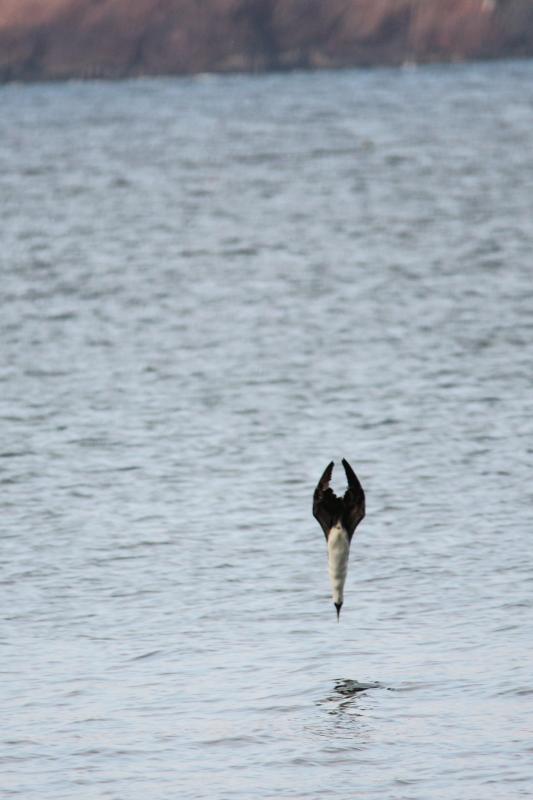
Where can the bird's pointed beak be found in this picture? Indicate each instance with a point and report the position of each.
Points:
(338, 606)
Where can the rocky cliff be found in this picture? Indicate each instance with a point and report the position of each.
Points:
(116, 38)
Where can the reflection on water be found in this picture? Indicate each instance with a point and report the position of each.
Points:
(209, 290)
(350, 688)
(344, 704)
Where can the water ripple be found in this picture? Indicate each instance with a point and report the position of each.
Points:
(210, 288)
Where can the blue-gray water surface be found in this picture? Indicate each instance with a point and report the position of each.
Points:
(209, 289)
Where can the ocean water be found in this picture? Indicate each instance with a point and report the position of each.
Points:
(209, 289)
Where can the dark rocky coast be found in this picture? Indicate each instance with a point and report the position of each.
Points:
(63, 39)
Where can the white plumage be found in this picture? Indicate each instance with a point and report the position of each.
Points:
(338, 552)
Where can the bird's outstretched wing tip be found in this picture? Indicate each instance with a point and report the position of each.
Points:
(350, 474)
(326, 475)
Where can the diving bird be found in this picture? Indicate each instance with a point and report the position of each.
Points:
(338, 517)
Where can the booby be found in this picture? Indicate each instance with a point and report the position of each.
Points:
(338, 517)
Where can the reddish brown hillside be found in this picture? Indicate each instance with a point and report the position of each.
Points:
(112, 38)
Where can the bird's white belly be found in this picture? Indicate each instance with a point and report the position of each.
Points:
(338, 552)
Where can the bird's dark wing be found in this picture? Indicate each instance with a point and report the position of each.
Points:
(326, 505)
(354, 501)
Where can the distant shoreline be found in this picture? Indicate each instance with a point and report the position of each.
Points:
(120, 39)
(199, 76)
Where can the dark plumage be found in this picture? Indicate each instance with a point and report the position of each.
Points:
(329, 509)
